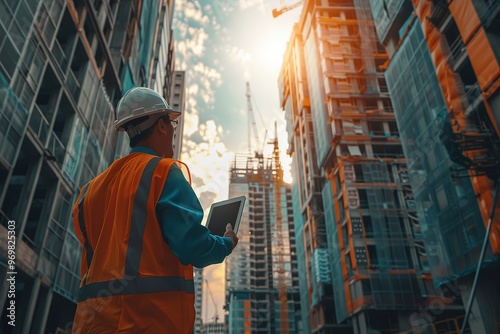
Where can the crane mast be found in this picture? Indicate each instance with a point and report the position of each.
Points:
(278, 178)
(258, 154)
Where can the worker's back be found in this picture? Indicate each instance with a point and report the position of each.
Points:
(132, 282)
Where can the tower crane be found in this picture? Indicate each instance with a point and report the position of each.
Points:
(258, 153)
(278, 177)
(216, 315)
(283, 9)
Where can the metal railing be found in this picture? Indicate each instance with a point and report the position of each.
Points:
(4, 219)
(73, 85)
(59, 55)
(489, 8)
(39, 124)
(55, 150)
(472, 93)
(457, 48)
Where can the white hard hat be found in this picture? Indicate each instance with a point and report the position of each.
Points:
(139, 102)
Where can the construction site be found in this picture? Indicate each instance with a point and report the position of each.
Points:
(392, 221)
(262, 291)
(395, 156)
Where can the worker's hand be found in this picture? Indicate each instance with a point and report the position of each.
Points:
(230, 234)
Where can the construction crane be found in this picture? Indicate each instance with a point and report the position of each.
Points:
(216, 315)
(283, 9)
(258, 153)
(278, 178)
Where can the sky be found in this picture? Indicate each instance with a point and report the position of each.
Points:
(222, 45)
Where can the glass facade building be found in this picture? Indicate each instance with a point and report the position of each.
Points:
(365, 266)
(63, 66)
(445, 105)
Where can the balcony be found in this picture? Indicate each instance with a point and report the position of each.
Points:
(55, 151)
(472, 98)
(39, 124)
(439, 13)
(489, 12)
(457, 52)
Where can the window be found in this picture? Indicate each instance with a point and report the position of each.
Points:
(393, 127)
(367, 224)
(358, 170)
(376, 128)
(363, 199)
(372, 255)
(442, 199)
(40, 208)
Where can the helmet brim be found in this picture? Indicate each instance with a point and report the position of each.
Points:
(172, 115)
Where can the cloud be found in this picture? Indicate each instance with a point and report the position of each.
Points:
(222, 8)
(209, 161)
(244, 4)
(194, 44)
(191, 121)
(208, 73)
(181, 30)
(238, 54)
(192, 11)
(203, 48)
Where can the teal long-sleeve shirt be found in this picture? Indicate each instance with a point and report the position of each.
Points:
(180, 214)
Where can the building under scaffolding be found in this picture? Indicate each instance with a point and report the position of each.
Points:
(363, 265)
(262, 294)
(63, 64)
(444, 76)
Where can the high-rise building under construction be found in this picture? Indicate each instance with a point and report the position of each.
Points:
(444, 79)
(262, 294)
(63, 64)
(362, 262)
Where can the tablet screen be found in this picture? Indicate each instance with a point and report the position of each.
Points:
(223, 213)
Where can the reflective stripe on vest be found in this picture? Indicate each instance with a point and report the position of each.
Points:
(81, 220)
(132, 283)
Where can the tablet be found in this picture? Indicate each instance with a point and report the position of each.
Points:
(224, 212)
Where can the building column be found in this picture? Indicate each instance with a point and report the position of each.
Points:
(31, 305)
(482, 318)
(42, 322)
(359, 323)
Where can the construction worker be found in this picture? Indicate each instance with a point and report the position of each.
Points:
(139, 223)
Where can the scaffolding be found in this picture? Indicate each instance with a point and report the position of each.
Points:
(479, 146)
(263, 297)
(343, 123)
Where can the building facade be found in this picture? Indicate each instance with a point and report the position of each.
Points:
(446, 100)
(198, 300)
(63, 65)
(214, 328)
(178, 102)
(262, 294)
(363, 263)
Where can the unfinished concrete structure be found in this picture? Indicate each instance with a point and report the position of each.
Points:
(63, 64)
(444, 76)
(363, 264)
(262, 292)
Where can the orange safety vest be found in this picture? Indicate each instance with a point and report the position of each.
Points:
(131, 282)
